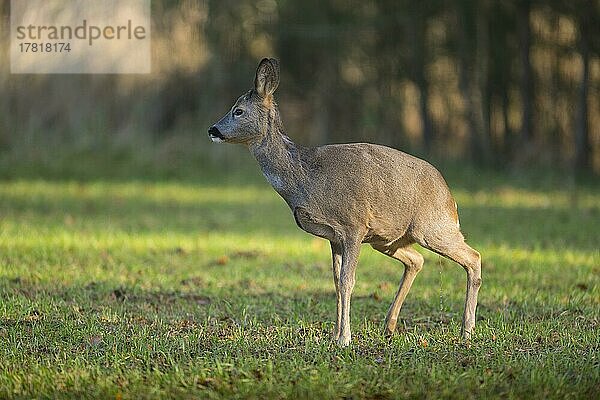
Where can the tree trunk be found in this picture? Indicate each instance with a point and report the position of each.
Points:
(417, 30)
(582, 148)
(524, 32)
(466, 78)
(508, 134)
(321, 128)
(556, 133)
(425, 117)
(483, 83)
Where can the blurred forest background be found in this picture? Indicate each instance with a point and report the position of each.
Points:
(500, 83)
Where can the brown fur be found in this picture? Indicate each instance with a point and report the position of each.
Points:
(355, 193)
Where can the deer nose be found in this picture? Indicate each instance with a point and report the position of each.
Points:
(214, 133)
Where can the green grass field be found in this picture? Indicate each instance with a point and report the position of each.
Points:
(206, 288)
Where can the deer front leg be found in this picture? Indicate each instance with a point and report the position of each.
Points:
(336, 257)
(344, 258)
(350, 253)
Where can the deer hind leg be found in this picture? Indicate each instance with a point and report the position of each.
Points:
(413, 263)
(453, 246)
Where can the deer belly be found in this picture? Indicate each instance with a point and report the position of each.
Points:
(385, 231)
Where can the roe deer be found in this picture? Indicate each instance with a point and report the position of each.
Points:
(351, 194)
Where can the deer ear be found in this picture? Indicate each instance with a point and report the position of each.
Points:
(267, 77)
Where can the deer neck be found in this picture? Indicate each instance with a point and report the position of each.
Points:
(281, 164)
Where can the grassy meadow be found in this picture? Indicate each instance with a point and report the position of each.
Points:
(202, 286)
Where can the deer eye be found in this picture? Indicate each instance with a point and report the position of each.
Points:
(237, 112)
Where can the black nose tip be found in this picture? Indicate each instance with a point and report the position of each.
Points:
(213, 131)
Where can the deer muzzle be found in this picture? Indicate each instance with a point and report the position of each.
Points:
(215, 135)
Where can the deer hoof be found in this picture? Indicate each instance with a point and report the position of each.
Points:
(343, 341)
(466, 334)
(390, 327)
